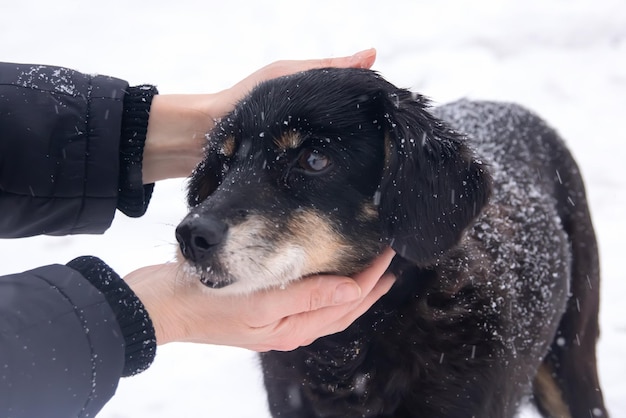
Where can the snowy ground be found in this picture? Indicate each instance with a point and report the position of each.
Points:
(565, 59)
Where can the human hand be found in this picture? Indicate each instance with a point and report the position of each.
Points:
(178, 123)
(182, 309)
(228, 98)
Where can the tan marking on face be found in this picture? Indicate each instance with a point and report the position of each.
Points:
(324, 248)
(229, 146)
(255, 255)
(288, 140)
(369, 210)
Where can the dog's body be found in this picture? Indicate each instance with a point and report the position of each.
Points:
(497, 291)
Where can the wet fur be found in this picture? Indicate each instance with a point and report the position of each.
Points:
(496, 300)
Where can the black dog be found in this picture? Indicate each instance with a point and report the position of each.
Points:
(496, 300)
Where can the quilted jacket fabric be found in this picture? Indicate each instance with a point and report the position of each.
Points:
(71, 147)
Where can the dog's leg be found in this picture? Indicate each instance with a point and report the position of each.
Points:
(571, 362)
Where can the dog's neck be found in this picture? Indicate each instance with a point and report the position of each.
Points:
(336, 358)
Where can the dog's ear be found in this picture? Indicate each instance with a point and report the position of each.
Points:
(432, 185)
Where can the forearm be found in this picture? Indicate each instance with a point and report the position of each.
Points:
(71, 146)
(59, 159)
(59, 339)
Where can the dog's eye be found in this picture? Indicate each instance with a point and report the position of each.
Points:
(313, 161)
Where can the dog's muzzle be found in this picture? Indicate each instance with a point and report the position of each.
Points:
(198, 237)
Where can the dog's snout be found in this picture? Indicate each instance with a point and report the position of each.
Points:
(198, 235)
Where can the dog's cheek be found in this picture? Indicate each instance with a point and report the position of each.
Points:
(371, 231)
(326, 249)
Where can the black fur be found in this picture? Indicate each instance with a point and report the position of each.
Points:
(496, 300)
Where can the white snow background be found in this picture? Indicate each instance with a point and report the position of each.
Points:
(565, 59)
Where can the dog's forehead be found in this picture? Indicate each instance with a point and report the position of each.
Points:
(252, 140)
(282, 113)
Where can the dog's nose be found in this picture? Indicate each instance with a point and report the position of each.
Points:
(197, 235)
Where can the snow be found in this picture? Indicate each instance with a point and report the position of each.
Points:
(565, 59)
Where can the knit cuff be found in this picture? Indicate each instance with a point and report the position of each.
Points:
(134, 196)
(132, 317)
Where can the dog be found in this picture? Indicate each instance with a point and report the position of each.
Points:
(497, 293)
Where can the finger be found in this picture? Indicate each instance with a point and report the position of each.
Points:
(362, 59)
(381, 288)
(305, 295)
(302, 329)
(316, 292)
(369, 277)
(366, 280)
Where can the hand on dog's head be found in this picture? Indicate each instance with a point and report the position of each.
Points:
(317, 172)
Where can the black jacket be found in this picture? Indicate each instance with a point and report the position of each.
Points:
(70, 154)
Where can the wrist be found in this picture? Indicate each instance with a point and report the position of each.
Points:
(176, 135)
(153, 285)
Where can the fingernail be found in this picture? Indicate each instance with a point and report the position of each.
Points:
(346, 292)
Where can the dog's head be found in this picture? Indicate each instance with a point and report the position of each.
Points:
(317, 172)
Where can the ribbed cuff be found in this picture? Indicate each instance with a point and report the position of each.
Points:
(134, 196)
(131, 315)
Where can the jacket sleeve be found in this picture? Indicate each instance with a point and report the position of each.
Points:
(67, 335)
(70, 150)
